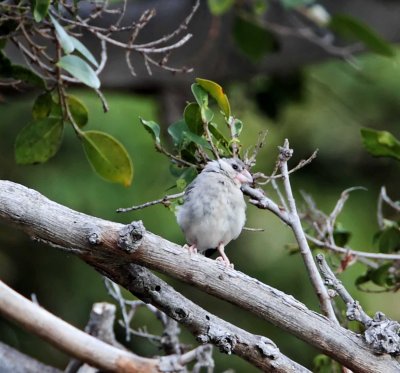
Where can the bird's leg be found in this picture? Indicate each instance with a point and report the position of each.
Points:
(223, 258)
(192, 249)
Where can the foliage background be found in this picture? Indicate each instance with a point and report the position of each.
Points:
(335, 99)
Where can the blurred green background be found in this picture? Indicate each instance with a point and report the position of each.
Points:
(333, 101)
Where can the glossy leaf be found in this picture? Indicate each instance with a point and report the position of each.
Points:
(108, 157)
(78, 110)
(197, 140)
(153, 128)
(80, 69)
(354, 29)
(81, 48)
(38, 141)
(42, 106)
(40, 10)
(176, 131)
(65, 40)
(252, 39)
(192, 116)
(216, 92)
(380, 143)
(218, 7)
(200, 94)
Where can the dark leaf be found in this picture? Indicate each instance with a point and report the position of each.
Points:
(108, 157)
(389, 240)
(7, 27)
(153, 128)
(78, 110)
(192, 116)
(252, 39)
(41, 9)
(197, 139)
(379, 276)
(354, 29)
(42, 106)
(38, 141)
(176, 131)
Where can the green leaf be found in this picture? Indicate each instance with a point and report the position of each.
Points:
(3, 43)
(201, 97)
(8, 70)
(78, 110)
(341, 236)
(197, 139)
(252, 39)
(218, 7)
(81, 48)
(176, 131)
(65, 40)
(108, 157)
(296, 3)
(379, 276)
(389, 240)
(237, 127)
(216, 92)
(380, 143)
(41, 9)
(42, 106)
(222, 142)
(38, 141)
(200, 94)
(192, 116)
(153, 128)
(80, 69)
(186, 177)
(353, 29)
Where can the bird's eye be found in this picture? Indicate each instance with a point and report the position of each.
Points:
(235, 166)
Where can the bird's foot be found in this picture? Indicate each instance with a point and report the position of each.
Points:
(223, 258)
(226, 263)
(192, 250)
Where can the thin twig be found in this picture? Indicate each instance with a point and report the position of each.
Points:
(295, 223)
(165, 201)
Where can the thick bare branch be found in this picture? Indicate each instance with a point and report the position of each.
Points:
(110, 246)
(68, 338)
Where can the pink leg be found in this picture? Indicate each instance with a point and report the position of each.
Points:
(192, 249)
(223, 258)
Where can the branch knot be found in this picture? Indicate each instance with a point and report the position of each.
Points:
(131, 236)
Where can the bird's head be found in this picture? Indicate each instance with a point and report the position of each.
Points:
(233, 168)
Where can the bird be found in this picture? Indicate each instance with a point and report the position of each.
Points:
(213, 212)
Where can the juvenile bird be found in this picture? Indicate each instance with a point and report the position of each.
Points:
(214, 211)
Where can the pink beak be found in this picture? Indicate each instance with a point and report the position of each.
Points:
(244, 177)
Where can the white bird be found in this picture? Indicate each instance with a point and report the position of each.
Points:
(214, 211)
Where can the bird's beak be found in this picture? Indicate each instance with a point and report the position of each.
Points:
(244, 177)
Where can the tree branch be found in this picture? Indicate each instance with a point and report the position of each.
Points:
(113, 248)
(68, 338)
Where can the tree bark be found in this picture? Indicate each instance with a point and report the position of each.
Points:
(110, 247)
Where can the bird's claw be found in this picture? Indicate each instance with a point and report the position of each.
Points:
(227, 264)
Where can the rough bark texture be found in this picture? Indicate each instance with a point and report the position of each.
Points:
(115, 250)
